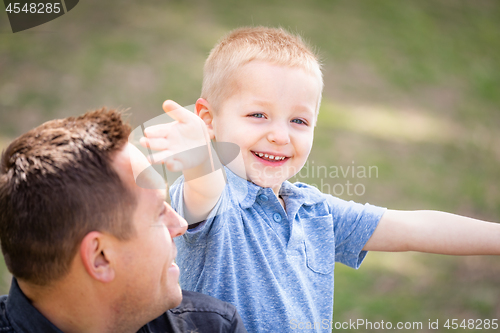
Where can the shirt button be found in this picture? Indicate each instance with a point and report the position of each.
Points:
(277, 217)
(263, 197)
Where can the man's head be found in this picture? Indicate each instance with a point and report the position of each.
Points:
(241, 46)
(72, 215)
(57, 184)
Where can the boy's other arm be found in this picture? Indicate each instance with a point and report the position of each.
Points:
(175, 142)
(434, 232)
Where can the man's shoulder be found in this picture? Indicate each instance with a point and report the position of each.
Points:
(5, 325)
(199, 313)
(197, 302)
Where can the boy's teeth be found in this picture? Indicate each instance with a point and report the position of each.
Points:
(271, 157)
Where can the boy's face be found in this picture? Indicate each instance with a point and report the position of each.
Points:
(271, 118)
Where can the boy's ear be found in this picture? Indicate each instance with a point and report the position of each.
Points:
(96, 255)
(205, 112)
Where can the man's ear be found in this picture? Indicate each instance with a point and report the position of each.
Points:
(96, 255)
(205, 112)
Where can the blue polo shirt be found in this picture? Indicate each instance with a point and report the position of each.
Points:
(275, 266)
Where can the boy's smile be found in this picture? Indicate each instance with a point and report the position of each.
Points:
(271, 118)
(271, 158)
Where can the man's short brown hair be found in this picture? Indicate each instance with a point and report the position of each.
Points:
(57, 183)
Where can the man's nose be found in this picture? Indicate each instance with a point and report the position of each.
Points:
(176, 225)
(279, 133)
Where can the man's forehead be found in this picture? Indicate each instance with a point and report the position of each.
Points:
(136, 171)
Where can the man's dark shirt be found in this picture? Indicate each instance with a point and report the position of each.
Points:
(197, 313)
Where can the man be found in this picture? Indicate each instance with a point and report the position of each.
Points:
(90, 251)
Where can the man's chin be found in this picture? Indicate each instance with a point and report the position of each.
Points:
(175, 293)
(176, 297)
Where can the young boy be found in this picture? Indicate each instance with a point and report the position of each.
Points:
(264, 244)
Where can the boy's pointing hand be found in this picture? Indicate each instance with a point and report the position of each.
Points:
(175, 141)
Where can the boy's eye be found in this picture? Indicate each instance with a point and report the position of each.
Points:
(299, 121)
(257, 115)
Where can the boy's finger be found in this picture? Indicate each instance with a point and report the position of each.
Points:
(154, 143)
(176, 111)
(157, 131)
(160, 157)
(173, 165)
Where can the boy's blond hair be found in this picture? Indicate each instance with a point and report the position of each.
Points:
(243, 45)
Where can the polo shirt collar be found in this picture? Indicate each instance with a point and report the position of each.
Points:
(23, 316)
(246, 192)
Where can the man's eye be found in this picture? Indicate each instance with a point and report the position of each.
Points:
(164, 210)
(299, 121)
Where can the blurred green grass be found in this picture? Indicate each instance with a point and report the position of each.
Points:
(410, 87)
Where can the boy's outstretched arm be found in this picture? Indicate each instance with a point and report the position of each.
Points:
(184, 145)
(434, 232)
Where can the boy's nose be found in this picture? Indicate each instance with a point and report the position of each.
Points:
(279, 134)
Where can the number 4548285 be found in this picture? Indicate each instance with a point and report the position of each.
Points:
(34, 8)
(477, 324)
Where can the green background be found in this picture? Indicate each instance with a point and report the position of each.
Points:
(411, 88)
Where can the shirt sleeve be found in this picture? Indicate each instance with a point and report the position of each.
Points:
(353, 225)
